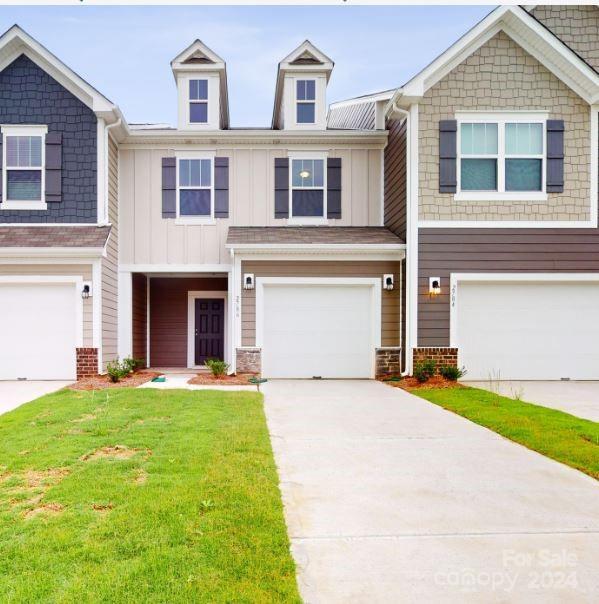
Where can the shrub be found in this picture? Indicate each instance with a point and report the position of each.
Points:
(218, 368)
(139, 363)
(128, 365)
(425, 370)
(116, 371)
(452, 373)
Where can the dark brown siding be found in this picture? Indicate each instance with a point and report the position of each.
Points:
(446, 251)
(168, 317)
(139, 316)
(395, 178)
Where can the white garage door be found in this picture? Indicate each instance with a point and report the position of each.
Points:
(528, 330)
(37, 331)
(317, 330)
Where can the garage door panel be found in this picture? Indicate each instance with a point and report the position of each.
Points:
(524, 330)
(317, 330)
(38, 327)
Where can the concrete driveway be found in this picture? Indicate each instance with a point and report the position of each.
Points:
(389, 498)
(14, 394)
(577, 398)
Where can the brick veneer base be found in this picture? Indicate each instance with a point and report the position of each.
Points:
(388, 361)
(441, 355)
(249, 360)
(87, 362)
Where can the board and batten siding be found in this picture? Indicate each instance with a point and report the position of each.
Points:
(61, 270)
(147, 238)
(391, 300)
(110, 263)
(445, 251)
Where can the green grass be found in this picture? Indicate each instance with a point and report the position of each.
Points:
(563, 437)
(195, 515)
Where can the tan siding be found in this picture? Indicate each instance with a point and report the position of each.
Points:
(576, 25)
(500, 76)
(110, 263)
(148, 238)
(81, 270)
(390, 312)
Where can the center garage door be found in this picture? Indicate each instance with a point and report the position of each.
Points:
(318, 330)
(38, 331)
(542, 330)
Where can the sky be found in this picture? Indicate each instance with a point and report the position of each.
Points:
(125, 51)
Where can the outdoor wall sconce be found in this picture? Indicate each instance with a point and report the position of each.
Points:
(388, 282)
(248, 281)
(86, 292)
(434, 286)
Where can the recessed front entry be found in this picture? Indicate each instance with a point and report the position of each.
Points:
(209, 331)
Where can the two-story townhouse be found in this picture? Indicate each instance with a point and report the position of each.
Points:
(262, 246)
(491, 177)
(58, 234)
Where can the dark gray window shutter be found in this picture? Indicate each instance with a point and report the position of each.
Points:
(554, 181)
(221, 187)
(334, 187)
(448, 130)
(281, 187)
(169, 187)
(53, 167)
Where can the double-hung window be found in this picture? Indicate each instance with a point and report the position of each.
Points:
(23, 158)
(306, 101)
(502, 157)
(195, 188)
(308, 189)
(198, 101)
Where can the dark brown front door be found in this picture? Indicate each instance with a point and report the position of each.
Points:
(209, 329)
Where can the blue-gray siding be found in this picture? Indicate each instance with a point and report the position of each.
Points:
(28, 95)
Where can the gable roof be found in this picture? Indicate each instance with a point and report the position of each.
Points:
(15, 42)
(527, 32)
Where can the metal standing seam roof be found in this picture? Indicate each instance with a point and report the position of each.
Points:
(312, 235)
(54, 236)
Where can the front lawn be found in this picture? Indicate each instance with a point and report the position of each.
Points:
(558, 435)
(141, 496)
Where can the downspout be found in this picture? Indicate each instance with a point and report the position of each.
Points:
(406, 114)
(106, 129)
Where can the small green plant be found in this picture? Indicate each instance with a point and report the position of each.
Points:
(424, 370)
(218, 368)
(128, 364)
(206, 504)
(452, 373)
(116, 371)
(139, 364)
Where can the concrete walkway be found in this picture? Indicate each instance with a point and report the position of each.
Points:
(389, 498)
(577, 398)
(180, 380)
(15, 394)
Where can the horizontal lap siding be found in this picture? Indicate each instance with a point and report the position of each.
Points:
(168, 317)
(390, 300)
(395, 178)
(446, 251)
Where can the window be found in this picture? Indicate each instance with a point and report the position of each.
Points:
(306, 101)
(195, 188)
(308, 199)
(198, 101)
(502, 157)
(23, 160)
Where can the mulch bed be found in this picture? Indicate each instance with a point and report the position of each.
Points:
(99, 382)
(411, 383)
(207, 379)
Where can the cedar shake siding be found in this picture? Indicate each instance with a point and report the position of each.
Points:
(168, 316)
(391, 300)
(501, 76)
(577, 26)
(445, 251)
(30, 96)
(139, 316)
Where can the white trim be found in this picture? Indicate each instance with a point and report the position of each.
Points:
(24, 130)
(102, 171)
(498, 196)
(507, 224)
(195, 155)
(369, 98)
(97, 309)
(372, 282)
(174, 268)
(59, 252)
(318, 248)
(314, 156)
(51, 224)
(76, 280)
(192, 296)
(457, 278)
(233, 319)
(594, 136)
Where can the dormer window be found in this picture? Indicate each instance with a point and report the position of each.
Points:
(306, 101)
(198, 101)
